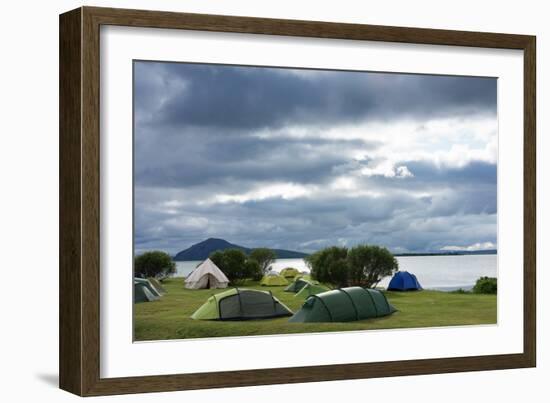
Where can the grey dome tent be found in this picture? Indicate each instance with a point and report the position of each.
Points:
(147, 284)
(241, 304)
(344, 305)
(310, 289)
(298, 284)
(158, 286)
(142, 293)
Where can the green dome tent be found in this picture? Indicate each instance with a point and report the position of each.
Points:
(298, 284)
(147, 284)
(310, 289)
(241, 304)
(344, 305)
(273, 280)
(289, 272)
(158, 286)
(142, 293)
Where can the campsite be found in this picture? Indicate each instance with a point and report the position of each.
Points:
(348, 177)
(170, 316)
(231, 293)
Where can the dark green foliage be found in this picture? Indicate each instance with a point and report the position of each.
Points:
(232, 263)
(485, 285)
(329, 265)
(236, 266)
(368, 264)
(253, 270)
(153, 264)
(217, 258)
(460, 291)
(362, 265)
(264, 257)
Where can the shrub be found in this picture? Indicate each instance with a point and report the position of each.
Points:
(253, 270)
(329, 265)
(368, 264)
(460, 291)
(362, 265)
(264, 257)
(153, 264)
(485, 285)
(232, 263)
(236, 266)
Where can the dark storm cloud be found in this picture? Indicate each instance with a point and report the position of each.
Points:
(203, 131)
(474, 172)
(257, 97)
(428, 175)
(196, 157)
(395, 220)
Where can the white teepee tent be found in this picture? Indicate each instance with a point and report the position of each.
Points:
(206, 275)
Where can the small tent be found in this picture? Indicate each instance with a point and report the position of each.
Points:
(206, 275)
(142, 293)
(310, 289)
(404, 281)
(344, 305)
(298, 284)
(147, 284)
(241, 304)
(273, 280)
(158, 286)
(289, 272)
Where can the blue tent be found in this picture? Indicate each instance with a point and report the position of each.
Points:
(404, 281)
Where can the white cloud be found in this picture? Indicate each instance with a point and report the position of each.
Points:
(470, 248)
(445, 142)
(286, 191)
(403, 172)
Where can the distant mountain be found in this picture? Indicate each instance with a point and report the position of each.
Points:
(451, 253)
(479, 252)
(202, 250)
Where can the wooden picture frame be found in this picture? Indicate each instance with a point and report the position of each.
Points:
(80, 199)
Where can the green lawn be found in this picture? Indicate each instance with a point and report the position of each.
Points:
(169, 318)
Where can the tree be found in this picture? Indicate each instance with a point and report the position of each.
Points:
(154, 263)
(329, 265)
(253, 270)
(232, 263)
(368, 264)
(485, 285)
(264, 257)
(362, 265)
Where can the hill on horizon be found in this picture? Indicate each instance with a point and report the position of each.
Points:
(202, 250)
(450, 253)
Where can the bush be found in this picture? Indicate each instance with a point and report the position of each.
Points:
(232, 263)
(368, 264)
(153, 264)
(329, 265)
(362, 265)
(264, 257)
(236, 266)
(460, 291)
(253, 270)
(485, 285)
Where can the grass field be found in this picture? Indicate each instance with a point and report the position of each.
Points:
(169, 318)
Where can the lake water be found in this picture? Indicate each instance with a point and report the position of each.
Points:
(434, 272)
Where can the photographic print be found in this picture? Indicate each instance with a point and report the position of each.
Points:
(276, 200)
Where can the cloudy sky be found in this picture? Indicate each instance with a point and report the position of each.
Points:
(302, 159)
